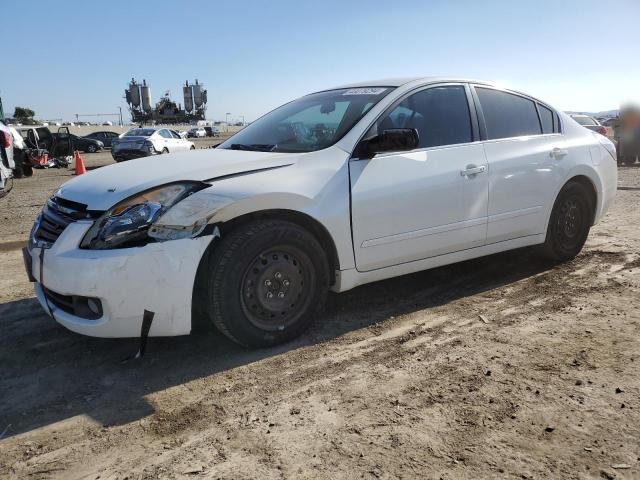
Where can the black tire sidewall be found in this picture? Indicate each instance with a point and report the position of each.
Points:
(553, 246)
(92, 149)
(230, 261)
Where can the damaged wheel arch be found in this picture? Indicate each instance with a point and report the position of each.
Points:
(199, 320)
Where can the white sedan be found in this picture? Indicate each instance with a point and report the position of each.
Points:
(197, 132)
(333, 190)
(143, 142)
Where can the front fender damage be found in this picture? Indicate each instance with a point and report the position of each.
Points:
(190, 217)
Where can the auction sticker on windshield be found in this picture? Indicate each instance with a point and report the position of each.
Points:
(365, 91)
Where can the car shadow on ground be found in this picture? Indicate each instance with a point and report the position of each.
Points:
(49, 374)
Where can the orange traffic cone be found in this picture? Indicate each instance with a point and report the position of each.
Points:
(80, 169)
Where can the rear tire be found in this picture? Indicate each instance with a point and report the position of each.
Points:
(164, 150)
(569, 223)
(267, 281)
(18, 172)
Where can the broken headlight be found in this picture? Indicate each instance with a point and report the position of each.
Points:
(127, 223)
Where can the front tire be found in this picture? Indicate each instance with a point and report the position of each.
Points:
(91, 149)
(164, 150)
(268, 280)
(569, 223)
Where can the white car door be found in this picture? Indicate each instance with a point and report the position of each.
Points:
(525, 150)
(179, 143)
(431, 201)
(163, 140)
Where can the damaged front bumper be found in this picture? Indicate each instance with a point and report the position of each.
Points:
(157, 277)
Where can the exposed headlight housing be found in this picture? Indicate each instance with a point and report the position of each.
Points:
(127, 223)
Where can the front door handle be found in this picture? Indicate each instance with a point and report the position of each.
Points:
(472, 170)
(558, 152)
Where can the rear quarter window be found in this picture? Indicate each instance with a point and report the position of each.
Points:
(507, 115)
(546, 119)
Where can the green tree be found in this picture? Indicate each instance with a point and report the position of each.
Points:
(23, 113)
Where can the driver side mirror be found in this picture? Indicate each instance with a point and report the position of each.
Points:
(390, 140)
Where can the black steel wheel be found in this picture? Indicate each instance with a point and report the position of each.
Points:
(277, 288)
(267, 281)
(569, 223)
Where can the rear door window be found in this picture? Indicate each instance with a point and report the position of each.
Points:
(507, 115)
(439, 114)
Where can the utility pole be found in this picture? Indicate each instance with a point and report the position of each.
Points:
(226, 120)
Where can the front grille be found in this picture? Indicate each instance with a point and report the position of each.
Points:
(56, 215)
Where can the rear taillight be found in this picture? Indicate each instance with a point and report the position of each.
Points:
(6, 139)
(602, 131)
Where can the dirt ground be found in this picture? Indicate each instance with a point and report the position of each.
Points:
(502, 367)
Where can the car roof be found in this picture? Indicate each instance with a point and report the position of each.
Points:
(399, 81)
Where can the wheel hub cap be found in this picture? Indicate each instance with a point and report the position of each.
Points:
(272, 289)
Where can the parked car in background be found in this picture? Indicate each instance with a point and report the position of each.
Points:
(143, 142)
(590, 122)
(23, 167)
(182, 133)
(84, 144)
(39, 140)
(197, 132)
(212, 131)
(7, 163)
(37, 137)
(333, 190)
(105, 137)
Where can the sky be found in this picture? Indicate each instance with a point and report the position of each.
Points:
(65, 57)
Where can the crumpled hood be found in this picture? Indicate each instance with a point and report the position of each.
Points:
(102, 188)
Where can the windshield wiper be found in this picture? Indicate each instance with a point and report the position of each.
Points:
(256, 147)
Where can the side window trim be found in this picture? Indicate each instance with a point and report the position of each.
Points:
(475, 126)
(540, 119)
(479, 114)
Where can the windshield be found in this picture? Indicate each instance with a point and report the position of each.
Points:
(309, 123)
(140, 132)
(584, 120)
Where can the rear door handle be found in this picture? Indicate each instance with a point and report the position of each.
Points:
(558, 152)
(472, 170)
